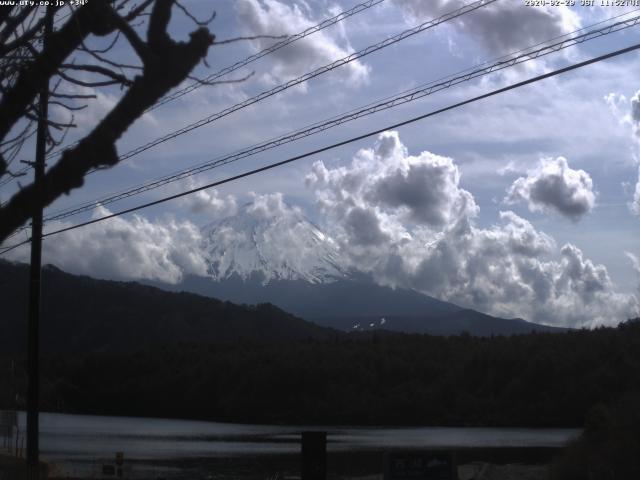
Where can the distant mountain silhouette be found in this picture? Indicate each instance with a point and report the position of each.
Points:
(278, 256)
(461, 321)
(358, 304)
(356, 296)
(82, 314)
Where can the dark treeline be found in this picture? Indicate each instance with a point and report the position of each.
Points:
(82, 314)
(382, 378)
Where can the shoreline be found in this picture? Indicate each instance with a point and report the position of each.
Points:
(498, 463)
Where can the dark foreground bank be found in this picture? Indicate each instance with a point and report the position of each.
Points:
(470, 462)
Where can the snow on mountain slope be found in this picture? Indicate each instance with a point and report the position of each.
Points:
(269, 237)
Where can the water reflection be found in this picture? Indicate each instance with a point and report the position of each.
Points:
(78, 443)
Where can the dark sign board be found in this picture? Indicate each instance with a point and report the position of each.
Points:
(433, 465)
(314, 455)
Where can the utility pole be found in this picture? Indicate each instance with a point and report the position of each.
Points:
(33, 327)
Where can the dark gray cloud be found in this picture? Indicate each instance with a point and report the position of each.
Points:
(635, 109)
(425, 190)
(554, 186)
(363, 226)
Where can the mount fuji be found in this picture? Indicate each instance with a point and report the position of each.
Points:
(281, 245)
(276, 255)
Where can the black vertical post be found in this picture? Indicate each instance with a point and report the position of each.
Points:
(33, 334)
(314, 455)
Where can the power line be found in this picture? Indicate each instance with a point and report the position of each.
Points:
(225, 71)
(24, 170)
(277, 46)
(301, 79)
(27, 168)
(398, 99)
(391, 102)
(342, 143)
(242, 63)
(310, 75)
(10, 178)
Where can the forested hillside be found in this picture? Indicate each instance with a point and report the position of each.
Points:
(381, 378)
(82, 314)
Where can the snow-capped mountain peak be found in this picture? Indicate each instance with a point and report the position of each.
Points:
(271, 239)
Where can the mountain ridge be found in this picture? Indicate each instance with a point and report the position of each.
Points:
(280, 247)
(80, 313)
(270, 252)
(344, 303)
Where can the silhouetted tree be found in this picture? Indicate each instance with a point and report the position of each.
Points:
(67, 59)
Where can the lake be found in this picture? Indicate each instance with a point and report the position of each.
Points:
(78, 445)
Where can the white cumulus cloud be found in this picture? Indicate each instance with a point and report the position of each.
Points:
(406, 220)
(628, 114)
(208, 202)
(511, 269)
(635, 119)
(635, 202)
(422, 190)
(554, 186)
(121, 248)
(272, 17)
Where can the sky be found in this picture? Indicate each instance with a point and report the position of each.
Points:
(525, 204)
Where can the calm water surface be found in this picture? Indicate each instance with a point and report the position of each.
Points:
(81, 442)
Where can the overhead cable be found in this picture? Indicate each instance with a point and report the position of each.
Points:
(242, 63)
(403, 98)
(273, 48)
(310, 75)
(341, 143)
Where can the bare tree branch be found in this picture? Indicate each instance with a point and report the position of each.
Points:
(16, 174)
(71, 95)
(157, 36)
(90, 84)
(221, 82)
(49, 122)
(254, 37)
(199, 23)
(63, 42)
(130, 34)
(102, 59)
(116, 37)
(68, 107)
(166, 65)
(4, 14)
(99, 70)
(136, 12)
(12, 23)
(22, 39)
